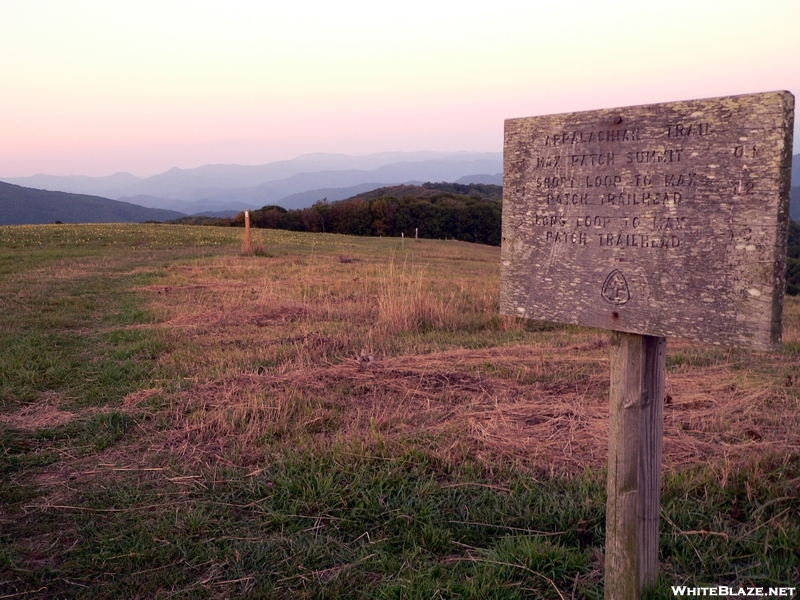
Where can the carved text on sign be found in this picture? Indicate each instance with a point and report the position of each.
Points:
(686, 201)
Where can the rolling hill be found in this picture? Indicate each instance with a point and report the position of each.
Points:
(21, 206)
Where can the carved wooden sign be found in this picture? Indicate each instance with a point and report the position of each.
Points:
(667, 220)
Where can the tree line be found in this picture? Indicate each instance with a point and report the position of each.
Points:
(470, 213)
(793, 260)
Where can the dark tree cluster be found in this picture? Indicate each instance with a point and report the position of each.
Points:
(470, 213)
(793, 260)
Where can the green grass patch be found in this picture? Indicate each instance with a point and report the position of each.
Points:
(389, 526)
(311, 526)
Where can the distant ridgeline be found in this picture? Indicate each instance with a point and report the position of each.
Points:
(28, 206)
(470, 213)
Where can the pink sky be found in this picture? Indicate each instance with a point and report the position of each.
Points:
(92, 88)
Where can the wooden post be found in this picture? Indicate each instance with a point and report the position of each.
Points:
(416, 233)
(638, 367)
(403, 239)
(567, 263)
(247, 247)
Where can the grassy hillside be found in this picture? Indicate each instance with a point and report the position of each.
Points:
(21, 205)
(345, 417)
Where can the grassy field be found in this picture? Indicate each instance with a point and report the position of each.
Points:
(340, 417)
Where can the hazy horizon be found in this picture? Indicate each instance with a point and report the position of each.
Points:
(290, 159)
(93, 88)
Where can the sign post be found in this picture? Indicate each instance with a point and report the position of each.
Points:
(638, 368)
(656, 221)
(247, 248)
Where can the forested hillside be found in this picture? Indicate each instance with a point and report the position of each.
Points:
(21, 205)
(793, 260)
(470, 213)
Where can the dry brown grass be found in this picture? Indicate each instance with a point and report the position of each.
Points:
(37, 415)
(406, 302)
(448, 403)
(310, 350)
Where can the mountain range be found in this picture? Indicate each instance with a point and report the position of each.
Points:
(222, 190)
(295, 183)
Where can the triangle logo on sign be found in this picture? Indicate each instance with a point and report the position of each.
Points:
(615, 288)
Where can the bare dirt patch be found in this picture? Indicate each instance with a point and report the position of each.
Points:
(47, 549)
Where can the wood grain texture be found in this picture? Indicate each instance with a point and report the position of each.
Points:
(667, 220)
(636, 396)
(622, 558)
(654, 352)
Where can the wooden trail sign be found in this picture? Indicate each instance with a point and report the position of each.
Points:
(665, 220)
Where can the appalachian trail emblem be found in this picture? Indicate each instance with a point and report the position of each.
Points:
(615, 288)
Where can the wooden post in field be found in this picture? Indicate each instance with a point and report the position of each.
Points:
(667, 220)
(402, 239)
(638, 367)
(416, 233)
(247, 249)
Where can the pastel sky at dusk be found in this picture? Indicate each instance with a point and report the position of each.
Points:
(92, 88)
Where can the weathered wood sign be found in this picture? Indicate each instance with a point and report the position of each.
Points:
(667, 220)
(661, 220)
